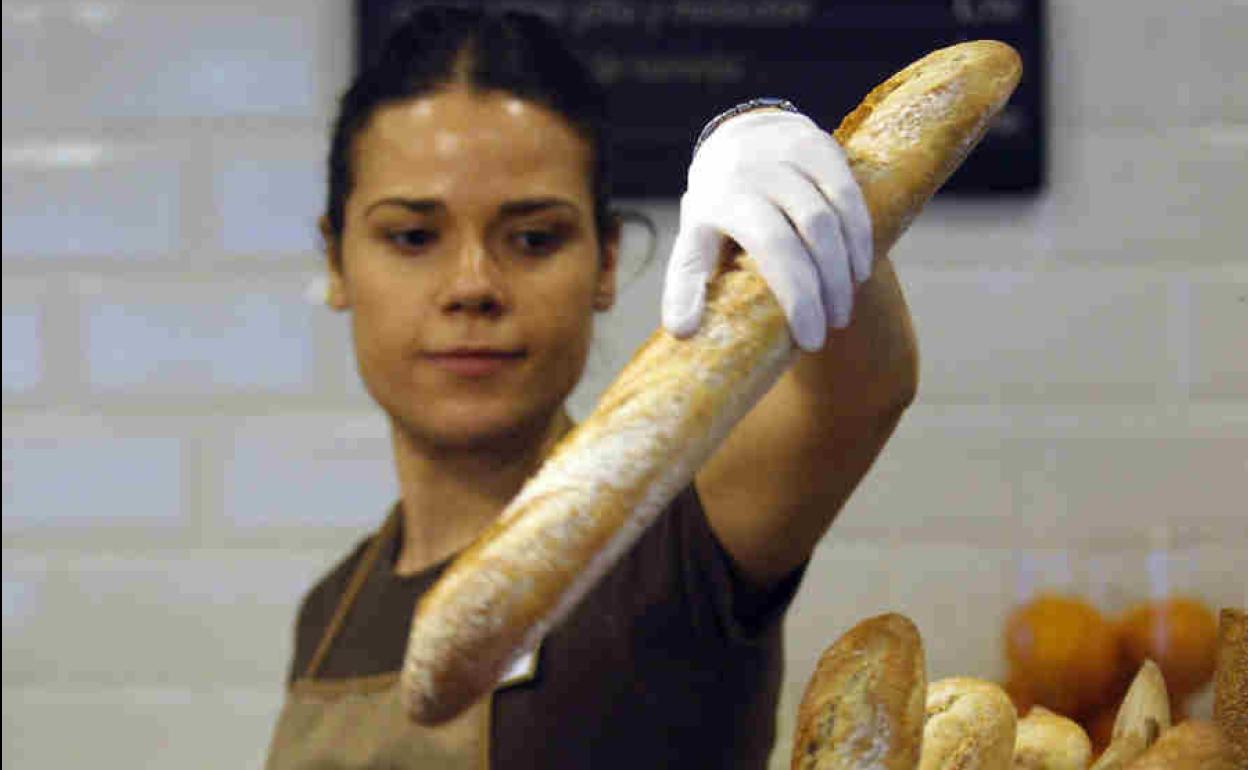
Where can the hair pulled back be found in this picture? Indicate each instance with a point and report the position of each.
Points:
(510, 51)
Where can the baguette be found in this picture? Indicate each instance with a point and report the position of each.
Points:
(863, 707)
(1190, 745)
(971, 725)
(1230, 682)
(675, 401)
(1049, 741)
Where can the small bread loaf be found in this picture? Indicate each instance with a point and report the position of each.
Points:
(1143, 715)
(1120, 752)
(674, 401)
(863, 707)
(1190, 745)
(1049, 741)
(971, 725)
(1145, 709)
(1230, 682)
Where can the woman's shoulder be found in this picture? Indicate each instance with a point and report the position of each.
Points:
(319, 602)
(332, 583)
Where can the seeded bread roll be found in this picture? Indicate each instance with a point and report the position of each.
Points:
(675, 401)
(1230, 682)
(863, 706)
(1048, 741)
(971, 725)
(1190, 745)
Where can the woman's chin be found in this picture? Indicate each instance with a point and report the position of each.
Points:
(480, 428)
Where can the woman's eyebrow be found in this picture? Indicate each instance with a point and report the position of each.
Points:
(414, 205)
(533, 205)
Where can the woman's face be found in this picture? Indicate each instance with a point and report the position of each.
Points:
(471, 265)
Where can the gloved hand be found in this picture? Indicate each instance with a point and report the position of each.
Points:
(781, 188)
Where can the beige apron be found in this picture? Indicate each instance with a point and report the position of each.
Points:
(359, 723)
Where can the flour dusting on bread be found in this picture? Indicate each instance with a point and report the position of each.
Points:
(674, 402)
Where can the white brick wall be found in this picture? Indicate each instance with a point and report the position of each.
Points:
(207, 337)
(187, 445)
(92, 198)
(23, 338)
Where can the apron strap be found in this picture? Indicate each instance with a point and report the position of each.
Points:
(354, 586)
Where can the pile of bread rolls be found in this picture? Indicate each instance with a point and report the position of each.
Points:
(869, 705)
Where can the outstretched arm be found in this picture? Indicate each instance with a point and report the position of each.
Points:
(780, 478)
(773, 183)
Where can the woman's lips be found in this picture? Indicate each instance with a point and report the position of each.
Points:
(474, 362)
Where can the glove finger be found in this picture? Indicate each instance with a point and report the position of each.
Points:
(827, 166)
(820, 227)
(760, 228)
(693, 258)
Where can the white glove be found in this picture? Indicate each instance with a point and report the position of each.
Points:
(781, 188)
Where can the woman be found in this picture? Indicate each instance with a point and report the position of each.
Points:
(468, 235)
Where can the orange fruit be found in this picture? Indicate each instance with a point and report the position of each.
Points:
(1178, 709)
(1065, 651)
(1019, 690)
(1180, 634)
(1100, 727)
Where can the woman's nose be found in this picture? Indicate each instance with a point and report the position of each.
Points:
(475, 285)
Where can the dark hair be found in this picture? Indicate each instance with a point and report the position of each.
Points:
(510, 51)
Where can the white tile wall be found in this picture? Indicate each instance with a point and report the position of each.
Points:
(188, 618)
(187, 444)
(149, 60)
(1147, 63)
(76, 474)
(1184, 205)
(88, 197)
(156, 727)
(335, 364)
(1216, 343)
(269, 191)
(1057, 336)
(23, 359)
(199, 337)
(1047, 476)
(298, 473)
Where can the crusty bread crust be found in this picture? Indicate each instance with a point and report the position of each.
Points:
(675, 401)
(863, 706)
(971, 725)
(1230, 681)
(1190, 745)
(914, 129)
(1048, 741)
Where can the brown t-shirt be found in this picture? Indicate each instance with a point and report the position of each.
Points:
(670, 661)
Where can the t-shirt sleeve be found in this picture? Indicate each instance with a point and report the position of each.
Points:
(719, 598)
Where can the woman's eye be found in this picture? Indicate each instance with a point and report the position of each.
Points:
(538, 241)
(414, 239)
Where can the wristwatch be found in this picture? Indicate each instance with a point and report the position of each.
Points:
(762, 102)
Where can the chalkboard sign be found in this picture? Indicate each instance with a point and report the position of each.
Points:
(672, 64)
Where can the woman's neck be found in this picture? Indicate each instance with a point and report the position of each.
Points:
(450, 495)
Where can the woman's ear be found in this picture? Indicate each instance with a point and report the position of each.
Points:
(609, 261)
(335, 285)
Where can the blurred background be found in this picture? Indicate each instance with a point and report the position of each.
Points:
(187, 446)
